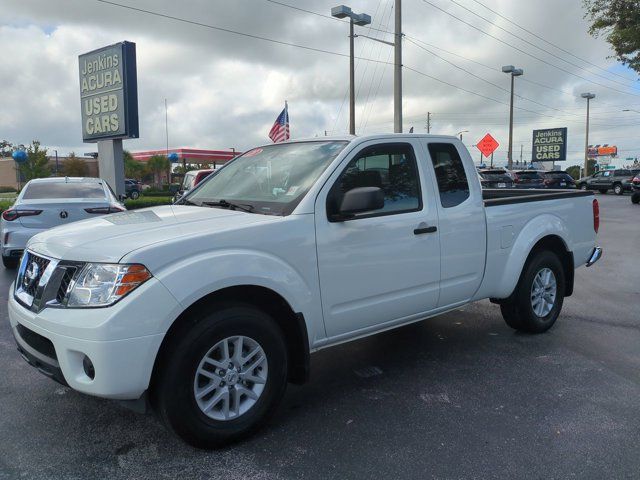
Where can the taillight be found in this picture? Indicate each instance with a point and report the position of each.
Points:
(636, 180)
(11, 214)
(596, 215)
(547, 182)
(105, 210)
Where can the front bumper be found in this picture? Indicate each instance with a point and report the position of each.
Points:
(58, 341)
(596, 254)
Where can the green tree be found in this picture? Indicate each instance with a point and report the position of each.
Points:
(74, 166)
(158, 164)
(37, 164)
(132, 167)
(619, 22)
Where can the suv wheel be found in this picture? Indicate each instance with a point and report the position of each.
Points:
(219, 380)
(617, 189)
(635, 198)
(536, 303)
(583, 186)
(134, 195)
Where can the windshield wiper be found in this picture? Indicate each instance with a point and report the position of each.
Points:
(232, 206)
(184, 201)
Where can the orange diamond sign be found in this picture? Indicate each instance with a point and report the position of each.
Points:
(487, 145)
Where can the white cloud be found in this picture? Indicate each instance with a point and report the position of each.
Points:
(225, 91)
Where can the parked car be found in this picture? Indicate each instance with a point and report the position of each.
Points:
(528, 179)
(48, 202)
(191, 180)
(618, 180)
(635, 188)
(132, 188)
(207, 308)
(554, 179)
(495, 178)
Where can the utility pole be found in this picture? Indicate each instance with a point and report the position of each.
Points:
(521, 147)
(57, 166)
(361, 19)
(166, 126)
(589, 97)
(428, 122)
(397, 70)
(514, 72)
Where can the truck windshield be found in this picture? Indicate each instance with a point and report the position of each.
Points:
(270, 180)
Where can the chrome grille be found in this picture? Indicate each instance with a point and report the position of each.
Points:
(65, 281)
(31, 276)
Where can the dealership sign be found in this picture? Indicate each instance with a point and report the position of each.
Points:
(109, 93)
(549, 145)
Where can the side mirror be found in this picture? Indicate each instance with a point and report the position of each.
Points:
(359, 200)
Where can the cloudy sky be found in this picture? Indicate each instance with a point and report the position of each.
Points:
(225, 90)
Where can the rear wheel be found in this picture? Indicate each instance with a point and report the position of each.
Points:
(583, 186)
(10, 262)
(635, 198)
(536, 303)
(218, 381)
(617, 189)
(134, 195)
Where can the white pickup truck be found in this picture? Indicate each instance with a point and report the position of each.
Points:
(207, 308)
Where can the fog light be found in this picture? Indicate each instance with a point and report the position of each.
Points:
(87, 365)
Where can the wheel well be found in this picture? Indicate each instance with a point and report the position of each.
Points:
(292, 324)
(556, 245)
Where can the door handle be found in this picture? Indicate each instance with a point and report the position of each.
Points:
(420, 231)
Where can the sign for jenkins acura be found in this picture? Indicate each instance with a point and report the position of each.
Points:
(549, 145)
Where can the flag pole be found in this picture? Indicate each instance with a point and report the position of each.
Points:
(286, 117)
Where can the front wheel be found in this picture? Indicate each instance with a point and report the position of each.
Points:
(536, 303)
(617, 189)
(218, 381)
(134, 195)
(583, 186)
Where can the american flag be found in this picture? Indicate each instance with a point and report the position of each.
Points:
(280, 130)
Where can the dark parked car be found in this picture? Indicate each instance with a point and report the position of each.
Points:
(528, 179)
(132, 188)
(558, 180)
(495, 178)
(635, 188)
(618, 180)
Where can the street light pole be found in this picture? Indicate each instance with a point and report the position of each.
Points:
(589, 97)
(360, 19)
(515, 72)
(461, 132)
(397, 70)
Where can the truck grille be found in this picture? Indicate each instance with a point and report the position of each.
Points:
(43, 281)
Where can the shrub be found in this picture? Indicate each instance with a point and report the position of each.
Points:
(144, 202)
(4, 204)
(7, 190)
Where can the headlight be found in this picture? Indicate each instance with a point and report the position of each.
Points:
(103, 284)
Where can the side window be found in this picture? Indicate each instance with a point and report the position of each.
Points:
(392, 168)
(607, 173)
(452, 180)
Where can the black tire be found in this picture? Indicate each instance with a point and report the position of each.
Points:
(518, 312)
(10, 263)
(134, 195)
(172, 393)
(583, 186)
(603, 190)
(635, 198)
(618, 189)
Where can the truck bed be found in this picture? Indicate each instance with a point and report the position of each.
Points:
(493, 197)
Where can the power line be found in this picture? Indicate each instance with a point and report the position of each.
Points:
(234, 32)
(527, 53)
(536, 46)
(548, 42)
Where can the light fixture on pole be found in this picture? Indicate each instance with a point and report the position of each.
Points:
(461, 132)
(360, 19)
(515, 72)
(589, 97)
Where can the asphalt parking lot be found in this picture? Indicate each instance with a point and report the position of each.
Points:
(458, 396)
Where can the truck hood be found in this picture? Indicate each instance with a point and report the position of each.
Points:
(109, 238)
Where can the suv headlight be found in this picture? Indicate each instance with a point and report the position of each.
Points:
(103, 284)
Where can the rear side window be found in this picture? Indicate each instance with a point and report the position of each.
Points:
(392, 168)
(452, 180)
(45, 190)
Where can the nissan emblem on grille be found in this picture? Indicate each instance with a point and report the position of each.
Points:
(30, 274)
(64, 214)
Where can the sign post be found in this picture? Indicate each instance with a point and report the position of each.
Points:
(109, 106)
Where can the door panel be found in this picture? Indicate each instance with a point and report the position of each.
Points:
(374, 269)
(462, 224)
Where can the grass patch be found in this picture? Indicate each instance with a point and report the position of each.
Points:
(144, 202)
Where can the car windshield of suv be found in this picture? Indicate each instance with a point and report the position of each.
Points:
(269, 180)
(560, 175)
(529, 175)
(42, 190)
